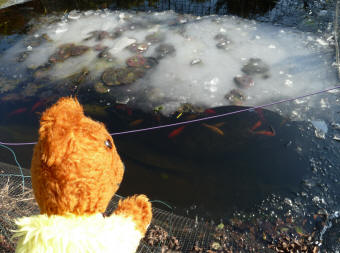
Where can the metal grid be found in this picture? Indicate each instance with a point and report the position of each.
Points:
(17, 200)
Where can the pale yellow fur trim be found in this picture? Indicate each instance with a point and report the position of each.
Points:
(76, 234)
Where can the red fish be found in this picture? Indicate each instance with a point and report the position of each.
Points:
(256, 125)
(176, 132)
(129, 111)
(136, 122)
(210, 111)
(214, 128)
(268, 133)
(37, 105)
(124, 108)
(17, 111)
(120, 107)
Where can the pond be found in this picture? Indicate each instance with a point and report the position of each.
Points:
(146, 64)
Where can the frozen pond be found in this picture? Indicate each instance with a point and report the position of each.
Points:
(166, 60)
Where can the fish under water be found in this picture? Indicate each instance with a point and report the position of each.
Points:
(176, 132)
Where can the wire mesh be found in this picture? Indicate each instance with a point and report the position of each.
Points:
(18, 202)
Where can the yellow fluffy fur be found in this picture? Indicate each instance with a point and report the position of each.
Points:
(76, 234)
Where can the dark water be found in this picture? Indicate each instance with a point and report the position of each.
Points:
(201, 171)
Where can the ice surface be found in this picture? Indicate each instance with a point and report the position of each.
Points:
(298, 62)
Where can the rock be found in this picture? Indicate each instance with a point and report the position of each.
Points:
(164, 50)
(236, 97)
(243, 81)
(255, 66)
(101, 88)
(122, 76)
(196, 61)
(223, 41)
(155, 37)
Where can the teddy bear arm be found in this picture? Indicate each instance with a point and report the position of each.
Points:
(138, 207)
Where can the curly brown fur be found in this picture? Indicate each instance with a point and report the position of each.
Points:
(73, 169)
(139, 208)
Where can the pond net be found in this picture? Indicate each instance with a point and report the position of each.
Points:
(166, 232)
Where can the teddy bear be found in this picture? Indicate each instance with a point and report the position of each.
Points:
(75, 171)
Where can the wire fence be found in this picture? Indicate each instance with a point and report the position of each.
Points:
(18, 201)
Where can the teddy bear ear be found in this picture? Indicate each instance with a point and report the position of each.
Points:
(57, 127)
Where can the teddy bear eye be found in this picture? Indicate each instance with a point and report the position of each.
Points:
(108, 144)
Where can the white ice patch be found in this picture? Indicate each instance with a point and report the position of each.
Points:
(298, 62)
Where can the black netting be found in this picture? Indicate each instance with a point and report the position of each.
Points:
(17, 200)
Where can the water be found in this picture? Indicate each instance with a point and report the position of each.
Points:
(286, 168)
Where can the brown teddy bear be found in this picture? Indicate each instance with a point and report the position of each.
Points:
(75, 172)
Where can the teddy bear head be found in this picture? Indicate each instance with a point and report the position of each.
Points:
(75, 166)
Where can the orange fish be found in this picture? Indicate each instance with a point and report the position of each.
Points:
(176, 132)
(256, 125)
(17, 111)
(268, 133)
(136, 122)
(210, 111)
(214, 128)
(37, 104)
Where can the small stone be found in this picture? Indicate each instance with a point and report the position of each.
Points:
(255, 66)
(196, 61)
(244, 81)
(100, 88)
(138, 47)
(23, 56)
(236, 97)
(288, 201)
(319, 134)
(105, 54)
(164, 50)
(223, 41)
(336, 137)
(336, 125)
(122, 76)
(74, 15)
(216, 246)
(155, 37)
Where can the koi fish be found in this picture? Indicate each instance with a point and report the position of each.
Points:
(210, 111)
(17, 111)
(37, 105)
(176, 132)
(136, 122)
(256, 125)
(268, 133)
(214, 128)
